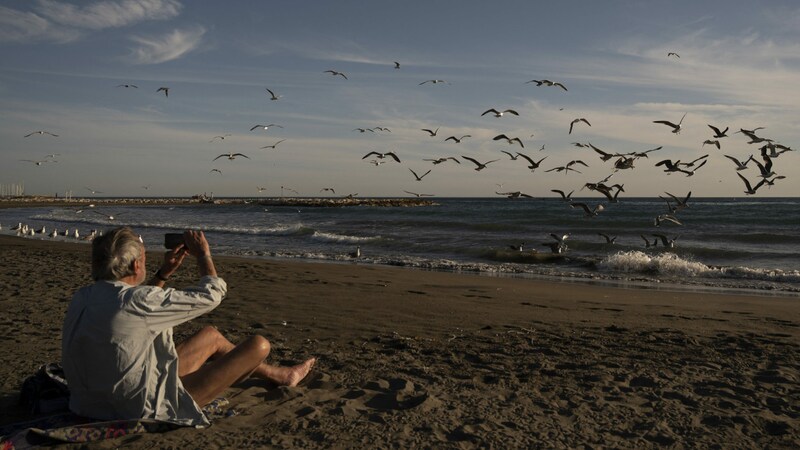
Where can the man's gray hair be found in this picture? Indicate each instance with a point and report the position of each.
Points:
(114, 252)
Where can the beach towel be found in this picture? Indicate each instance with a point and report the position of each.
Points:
(69, 427)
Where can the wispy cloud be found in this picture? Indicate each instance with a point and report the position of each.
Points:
(159, 49)
(20, 26)
(61, 22)
(108, 14)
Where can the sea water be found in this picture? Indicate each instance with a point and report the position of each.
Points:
(734, 243)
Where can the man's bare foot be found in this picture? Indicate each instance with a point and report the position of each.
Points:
(298, 372)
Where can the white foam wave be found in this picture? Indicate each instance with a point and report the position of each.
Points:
(333, 237)
(671, 265)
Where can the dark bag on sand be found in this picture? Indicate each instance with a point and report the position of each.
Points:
(45, 391)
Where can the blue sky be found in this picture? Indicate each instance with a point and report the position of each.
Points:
(739, 67)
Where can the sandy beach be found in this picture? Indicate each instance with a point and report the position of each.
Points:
(415, 359)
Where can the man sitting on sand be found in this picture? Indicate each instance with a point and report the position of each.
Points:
(117, 350)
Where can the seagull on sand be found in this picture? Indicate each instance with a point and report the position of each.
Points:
(231, 156)
(533, 165)
(40, 132)
(750, 189)
(165, 89)
(382, 155)
(675, 128)
(581, 119)
(508, 139)
(418, 177)
(335, 73)
(499, 113)
(272, 94)
(273, 145)
(431, 132)
(265, 127)
(457, 140)
(219, 137)
(418, 195)
(480, 166)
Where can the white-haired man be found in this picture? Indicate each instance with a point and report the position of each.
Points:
(118, 354)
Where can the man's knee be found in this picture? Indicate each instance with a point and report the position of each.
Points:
(209, 331)
(259, 344)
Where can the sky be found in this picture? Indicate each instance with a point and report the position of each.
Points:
(65, 65)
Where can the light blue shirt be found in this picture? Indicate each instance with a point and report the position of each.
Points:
(118, 354)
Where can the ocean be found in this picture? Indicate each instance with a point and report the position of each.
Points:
(737, 244)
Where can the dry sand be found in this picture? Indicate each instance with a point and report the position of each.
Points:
(413, 359)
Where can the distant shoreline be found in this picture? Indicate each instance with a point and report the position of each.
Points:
(34, 201)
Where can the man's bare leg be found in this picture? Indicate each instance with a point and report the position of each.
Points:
(229, 364)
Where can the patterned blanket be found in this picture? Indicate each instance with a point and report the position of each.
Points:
(68, 427)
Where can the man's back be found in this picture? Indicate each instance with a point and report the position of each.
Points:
(118, 353)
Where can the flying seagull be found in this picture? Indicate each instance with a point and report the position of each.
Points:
(457, 140)
(713, 142)
(382, 155)
(515, 194)
(547, 83)
(128, 86)
(396, 65)
(418, 195)
(93, 191)
(581, 119)
(441, 160)
(165, 89)
(675, 128)
(511, 156)
(218, 171)
(265, 127)
(673, 54)
(533, 165)
(38, 163)
(508, 139)
(231, 156)
(499, 113)
(564, 197)
(480, 166)
(431, 132)
(609, 239)
(739, 164)
(272, 94)
(327, 189)
(589, 211)
(432, 81)
(40, 132)
(418, 177)
(717, 133)
(273, 145)
(219, 137)
(335, 73)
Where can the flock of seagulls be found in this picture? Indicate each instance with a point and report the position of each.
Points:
(766, 175)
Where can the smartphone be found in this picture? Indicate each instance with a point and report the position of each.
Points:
(173, 240)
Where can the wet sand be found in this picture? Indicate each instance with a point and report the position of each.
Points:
(415, 359)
